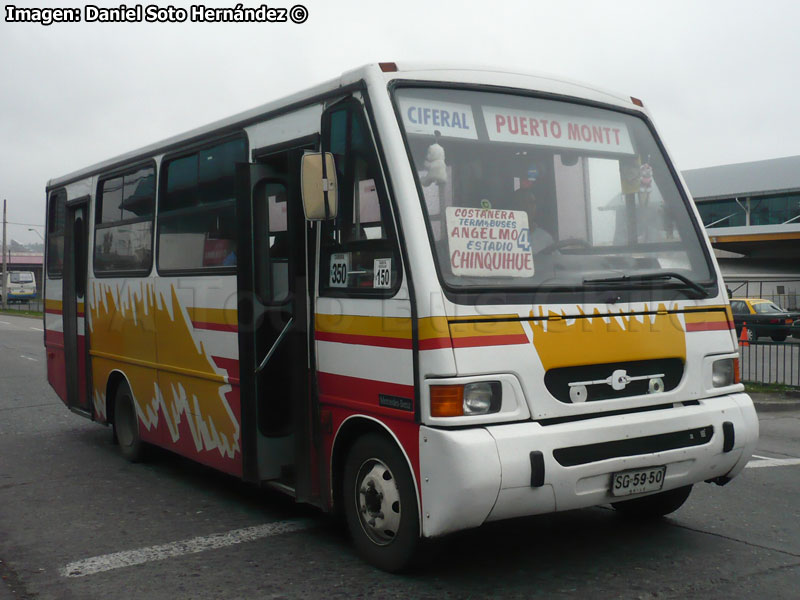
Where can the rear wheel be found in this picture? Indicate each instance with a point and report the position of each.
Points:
(126, 425)
(778, 337)
(657, 505)
(380, 503)
(751, 335)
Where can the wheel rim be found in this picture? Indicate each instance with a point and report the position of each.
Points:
(125, 422)
(377, 501)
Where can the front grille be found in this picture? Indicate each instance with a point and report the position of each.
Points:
(581, 455)
(558, 380)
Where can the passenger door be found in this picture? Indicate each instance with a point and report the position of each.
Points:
(76, 348)
(273, 331)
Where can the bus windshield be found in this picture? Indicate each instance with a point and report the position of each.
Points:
(531, 193)
(23, 277)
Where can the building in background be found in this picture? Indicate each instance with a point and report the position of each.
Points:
(751, 212)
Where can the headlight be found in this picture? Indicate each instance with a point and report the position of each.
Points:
(479, 398)
(482, 398)
(725, 372)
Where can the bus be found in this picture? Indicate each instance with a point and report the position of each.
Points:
(21, 286)
(423, 298)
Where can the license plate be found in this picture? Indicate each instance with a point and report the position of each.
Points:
(637, 481)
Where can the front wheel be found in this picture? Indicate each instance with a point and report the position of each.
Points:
(657, 505)
(126, 425)
(752, 335)
(380, 503)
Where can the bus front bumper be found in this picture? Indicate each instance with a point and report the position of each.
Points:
(470, 476)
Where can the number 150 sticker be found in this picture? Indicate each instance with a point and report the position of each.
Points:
(382, 278)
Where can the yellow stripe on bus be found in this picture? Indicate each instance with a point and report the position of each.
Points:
(485, 327)
(392, 327)
(708, 314)
(52, 305)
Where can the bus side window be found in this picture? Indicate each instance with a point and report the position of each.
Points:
(197, 209)
(123, 240)
(359, 249)
(56, 220)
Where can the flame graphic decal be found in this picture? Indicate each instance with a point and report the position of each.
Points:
(187, 386)
(597, 339)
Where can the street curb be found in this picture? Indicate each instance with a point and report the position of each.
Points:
(11, 313)
(777, 401)
(776, 406)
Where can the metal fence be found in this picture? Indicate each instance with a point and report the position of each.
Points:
(770, 362)
(29, 305)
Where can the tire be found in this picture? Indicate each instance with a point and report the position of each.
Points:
(380, 504)
(778, 337)
(657, 505)
(126, 425)
(751, 335)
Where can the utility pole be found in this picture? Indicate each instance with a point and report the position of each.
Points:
(3, 287)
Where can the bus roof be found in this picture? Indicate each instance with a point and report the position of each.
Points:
(422, 71)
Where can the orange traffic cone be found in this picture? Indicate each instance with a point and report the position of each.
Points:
(743, 342)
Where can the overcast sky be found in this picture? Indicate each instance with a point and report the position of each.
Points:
(720, 77)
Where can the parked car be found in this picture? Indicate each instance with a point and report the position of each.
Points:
(796, 329)
(762, 318)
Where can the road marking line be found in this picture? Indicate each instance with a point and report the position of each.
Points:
(773, 462)
(762, 457)
(128, 558)
(28, 358)
(37, 329)
(5, 322)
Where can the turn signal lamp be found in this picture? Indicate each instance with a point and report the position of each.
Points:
(388, 67)
(447, 400)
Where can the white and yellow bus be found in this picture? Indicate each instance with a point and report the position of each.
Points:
(20, 286)
(426, 298)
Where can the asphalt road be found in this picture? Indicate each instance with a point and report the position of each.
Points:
(77, 521)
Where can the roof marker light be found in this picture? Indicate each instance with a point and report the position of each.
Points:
(637, 102)
(388, 67)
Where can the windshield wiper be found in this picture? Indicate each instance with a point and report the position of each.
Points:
(655, 276)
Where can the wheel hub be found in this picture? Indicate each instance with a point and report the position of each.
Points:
(378, 502)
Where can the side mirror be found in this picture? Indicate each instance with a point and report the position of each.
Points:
(318, 185)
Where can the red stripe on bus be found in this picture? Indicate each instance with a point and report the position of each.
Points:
(709, 326)
(490, 340)
(364, 340)
(215, 326)
(53, 311)
(354, 392)
(54, 338)
(382, 342)
(231, 365)
(435, 343)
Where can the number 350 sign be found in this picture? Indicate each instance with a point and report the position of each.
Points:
(340, 267)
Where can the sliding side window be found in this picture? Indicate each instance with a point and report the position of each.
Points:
(359, 247)
(197, 209)
(123, 237)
